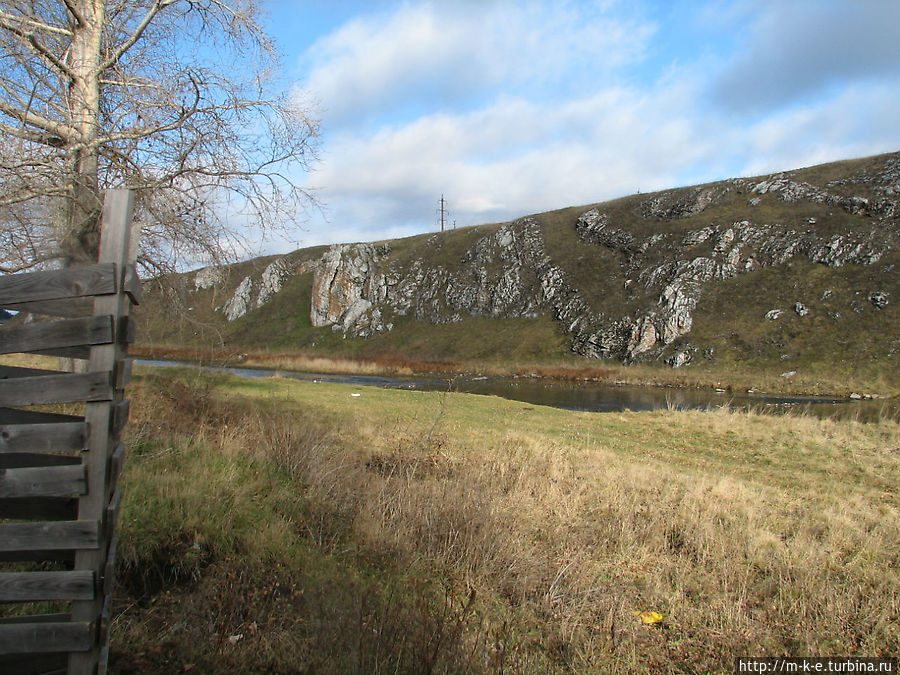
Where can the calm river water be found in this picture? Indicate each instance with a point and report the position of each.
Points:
(589, 396)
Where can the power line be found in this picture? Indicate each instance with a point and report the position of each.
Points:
(443, 211)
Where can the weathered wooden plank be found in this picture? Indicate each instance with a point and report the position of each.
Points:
(132, 284)
(49, 536)
(35, 664)
(120, 416)
(39, 508)
(47, 481)
(128, 331)
(40, 437)
(71, 282)
(116, 462)
(103, 660)
(123, 373)
(65, 352)
(69, 308)
(111, 513)
(58, 617)
(44, 335)
(107, 582)
(22, 638)
(38, 586)
(118, 244)
(65, 388)
(104, 623)
(21, 460)
(126, 334)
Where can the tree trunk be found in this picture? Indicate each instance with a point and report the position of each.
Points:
(81, 227)
(79, 240)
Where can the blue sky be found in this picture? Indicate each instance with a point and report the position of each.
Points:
(510, 107)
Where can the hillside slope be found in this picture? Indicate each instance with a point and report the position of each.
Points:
(788, 272)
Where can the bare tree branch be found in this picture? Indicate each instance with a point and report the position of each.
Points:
(29, 118)
(28, 38)
(158, 6)
(8, 20)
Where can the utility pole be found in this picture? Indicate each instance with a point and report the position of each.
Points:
(443, 211)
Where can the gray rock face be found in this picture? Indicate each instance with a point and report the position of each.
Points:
(494, 278)
(680, 203)
(791, 191)
(240, 301)
(682, 357)
(594, 226)
(347, 288)
(207, 278)
(254, 292)
(273, 278)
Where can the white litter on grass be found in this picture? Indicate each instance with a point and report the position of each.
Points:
(356, 395)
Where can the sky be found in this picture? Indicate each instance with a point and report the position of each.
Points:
(513, 107)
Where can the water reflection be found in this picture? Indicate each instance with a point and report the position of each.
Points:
(592, 396)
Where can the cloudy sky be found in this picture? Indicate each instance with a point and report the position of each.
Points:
(511, 107)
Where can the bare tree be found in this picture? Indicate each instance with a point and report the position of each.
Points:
(175, 99)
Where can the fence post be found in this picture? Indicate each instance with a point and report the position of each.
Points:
(117, 245)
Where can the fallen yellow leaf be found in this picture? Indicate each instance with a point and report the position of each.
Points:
(649, 618)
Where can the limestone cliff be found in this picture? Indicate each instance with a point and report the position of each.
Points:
(650, 261)
(347, 289)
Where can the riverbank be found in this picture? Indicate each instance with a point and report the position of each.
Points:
(701, 376)
(274, 525)
(579, 395)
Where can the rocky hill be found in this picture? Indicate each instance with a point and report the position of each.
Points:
(784, 271)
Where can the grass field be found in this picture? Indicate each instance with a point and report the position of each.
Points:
(278, 526)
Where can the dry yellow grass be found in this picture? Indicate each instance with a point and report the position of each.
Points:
(583, 535)
(323, 364)
(547, 530)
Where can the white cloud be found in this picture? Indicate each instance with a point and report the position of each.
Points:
(857, 122)
(431, 55)
(514, 108)
(512, 158)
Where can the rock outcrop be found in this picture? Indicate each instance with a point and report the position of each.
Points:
(208, 277)
(666, 253)
(272, 281)
(348, 287)
(240, 301)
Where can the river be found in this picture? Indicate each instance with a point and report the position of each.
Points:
(589, 396)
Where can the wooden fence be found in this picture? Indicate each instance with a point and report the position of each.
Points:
(58, 470)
